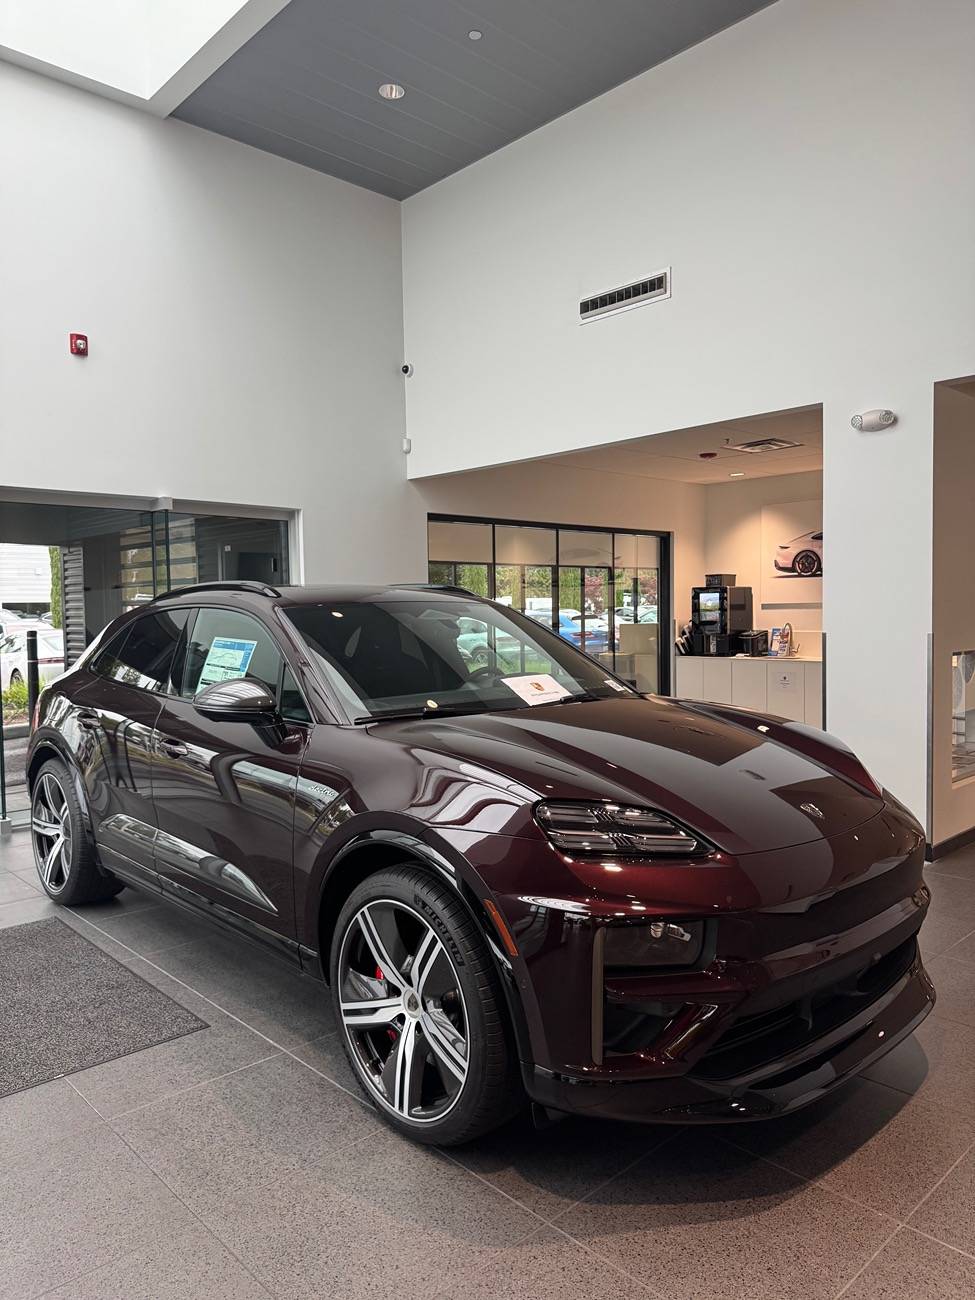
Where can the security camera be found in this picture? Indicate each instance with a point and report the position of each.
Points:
(875, 420)
(406, 369)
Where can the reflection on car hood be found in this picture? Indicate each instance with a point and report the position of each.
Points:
(741, 790)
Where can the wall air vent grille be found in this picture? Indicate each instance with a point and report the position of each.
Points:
(763, 444)
(627, 296)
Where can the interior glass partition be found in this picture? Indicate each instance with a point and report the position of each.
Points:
(604, 590)
(100, 562)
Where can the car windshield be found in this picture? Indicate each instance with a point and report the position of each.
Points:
(389, 657)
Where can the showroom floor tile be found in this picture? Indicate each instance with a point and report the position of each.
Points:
(168, 1176)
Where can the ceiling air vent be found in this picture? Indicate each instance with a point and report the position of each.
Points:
(763, 444)
(629, 295)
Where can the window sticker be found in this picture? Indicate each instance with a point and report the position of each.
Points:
(617, 686)
(538, 688)
(226, 659)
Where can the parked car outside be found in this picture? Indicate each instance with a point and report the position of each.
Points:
(539, 885)
(596, 636)
(13, 653)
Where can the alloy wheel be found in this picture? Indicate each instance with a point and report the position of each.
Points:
(403, 1011)
(807, 564)
(51, 832)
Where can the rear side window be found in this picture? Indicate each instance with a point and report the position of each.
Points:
(143, 655)
(224, 645)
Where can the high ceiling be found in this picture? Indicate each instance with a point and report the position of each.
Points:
(306, 85)
(677, 455)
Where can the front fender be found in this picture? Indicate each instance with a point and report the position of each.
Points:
(367, 848)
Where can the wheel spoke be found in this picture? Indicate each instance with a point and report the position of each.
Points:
(372, 1012)
(377, 947)
(424, 959)
(45, 828)
(403, 1071)
(446, 1044)
(53, 794)
(52, 860)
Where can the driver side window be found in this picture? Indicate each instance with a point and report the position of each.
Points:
(224, 645)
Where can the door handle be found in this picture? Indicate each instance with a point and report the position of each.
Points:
(87, 719)
(172, 748)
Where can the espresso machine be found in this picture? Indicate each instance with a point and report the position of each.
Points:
(720, 613)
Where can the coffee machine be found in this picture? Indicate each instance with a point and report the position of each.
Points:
(720, 613)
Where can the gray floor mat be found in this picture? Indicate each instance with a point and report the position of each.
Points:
(66, 1005)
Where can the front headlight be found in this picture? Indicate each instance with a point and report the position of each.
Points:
(598, 829)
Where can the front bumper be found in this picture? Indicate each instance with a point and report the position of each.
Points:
(770, 1088)
(794, 992)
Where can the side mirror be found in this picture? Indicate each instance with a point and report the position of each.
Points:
(240, 699)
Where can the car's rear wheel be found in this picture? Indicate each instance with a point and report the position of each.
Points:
(421, 1012)
(807, 564)
(63, 851)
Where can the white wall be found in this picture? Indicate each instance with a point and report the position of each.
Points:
(733, 539)
(817, 221)
(244, 317)
(954, 594)
(129, 50)
(808, 176)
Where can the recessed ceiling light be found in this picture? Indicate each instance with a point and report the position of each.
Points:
(738, 473)
(474, 34)
(391, 90)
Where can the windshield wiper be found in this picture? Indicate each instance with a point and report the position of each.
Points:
(585, 698)
(402, 715)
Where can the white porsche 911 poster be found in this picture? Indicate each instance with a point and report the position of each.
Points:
(792, 553)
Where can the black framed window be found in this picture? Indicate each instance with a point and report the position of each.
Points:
(605, 590)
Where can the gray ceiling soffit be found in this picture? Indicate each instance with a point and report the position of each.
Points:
(305, 86)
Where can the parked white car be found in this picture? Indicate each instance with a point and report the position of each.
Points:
(13, 653)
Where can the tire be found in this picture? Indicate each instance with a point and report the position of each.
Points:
(15, 677)
(428, 1036)
(807, 564)
(64, 853)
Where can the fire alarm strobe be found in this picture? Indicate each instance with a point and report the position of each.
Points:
(79, 345)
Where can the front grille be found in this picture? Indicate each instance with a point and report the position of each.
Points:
(757, 1040)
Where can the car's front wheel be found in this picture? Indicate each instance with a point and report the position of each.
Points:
(422, 1015)
(63, 851)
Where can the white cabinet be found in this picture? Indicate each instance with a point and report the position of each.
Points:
(749, 684)
(790, 688)
(717, 680)
(787, 690)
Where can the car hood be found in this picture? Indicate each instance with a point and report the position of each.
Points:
(741, 789)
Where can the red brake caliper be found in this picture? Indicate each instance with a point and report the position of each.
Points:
(391, 1032)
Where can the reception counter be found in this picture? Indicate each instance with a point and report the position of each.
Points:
(791, 688)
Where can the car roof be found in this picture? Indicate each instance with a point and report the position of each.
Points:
(257, 595)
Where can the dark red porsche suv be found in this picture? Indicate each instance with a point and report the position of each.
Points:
(518, 876)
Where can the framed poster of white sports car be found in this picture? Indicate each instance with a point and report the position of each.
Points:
(792, 554)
